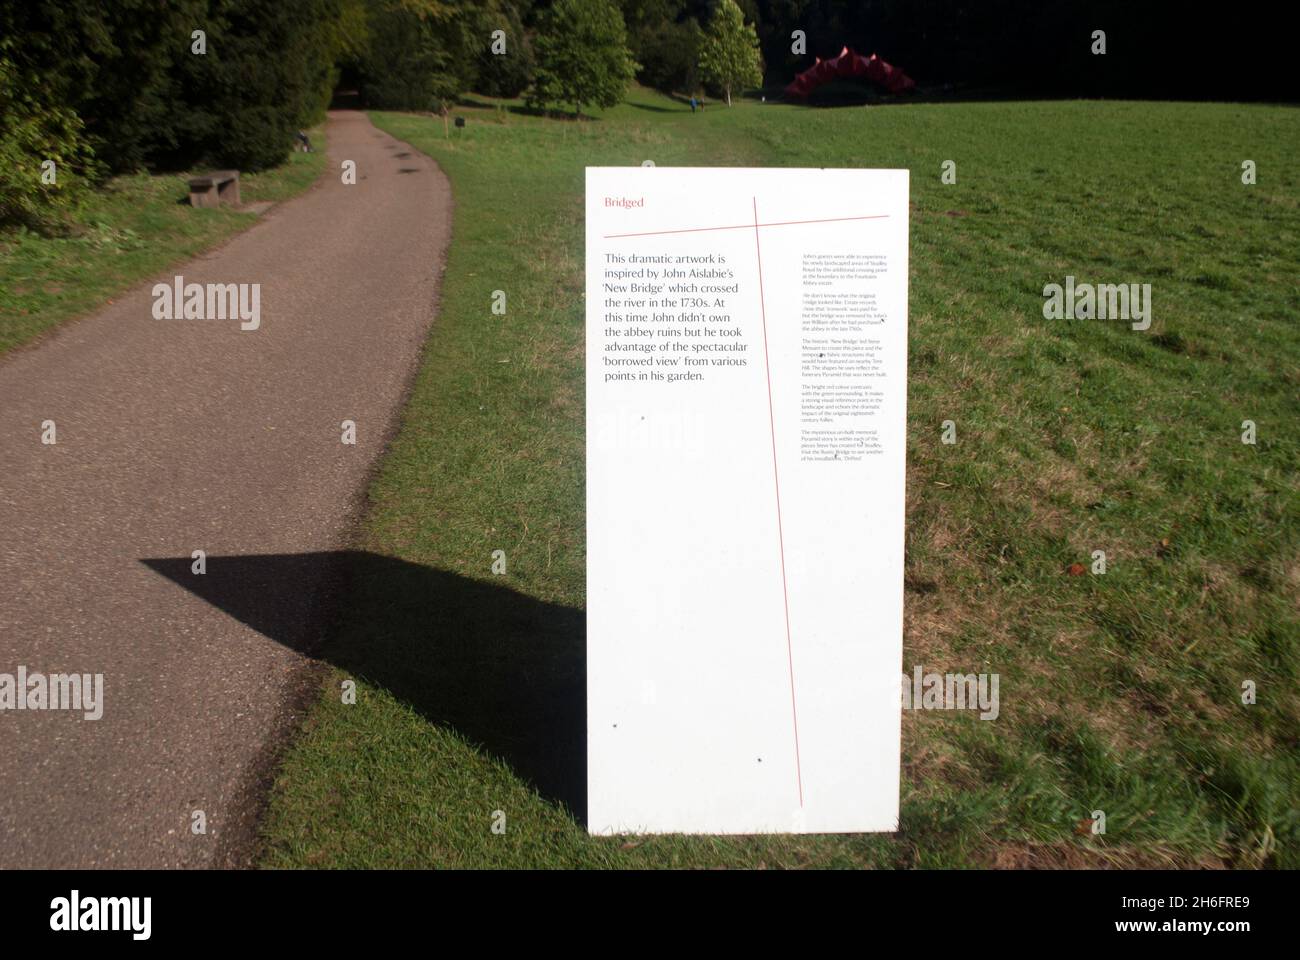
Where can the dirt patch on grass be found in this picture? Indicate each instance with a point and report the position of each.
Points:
(1084, 856)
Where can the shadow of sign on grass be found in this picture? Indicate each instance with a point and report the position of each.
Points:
(504, 670)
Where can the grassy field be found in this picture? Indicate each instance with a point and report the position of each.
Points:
(133, 228)
(1120, 692)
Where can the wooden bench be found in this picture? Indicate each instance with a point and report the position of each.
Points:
(215, 188)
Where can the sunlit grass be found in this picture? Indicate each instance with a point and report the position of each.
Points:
(1119, 692)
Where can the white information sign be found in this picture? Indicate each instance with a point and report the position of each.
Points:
(746, 441)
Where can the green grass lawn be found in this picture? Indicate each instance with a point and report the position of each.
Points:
(1119, 692)
(128, 231)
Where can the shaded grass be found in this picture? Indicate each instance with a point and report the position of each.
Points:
(132, 228)
(1119, 692)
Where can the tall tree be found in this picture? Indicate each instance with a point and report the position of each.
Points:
(505, 63)
(417, 55)
(729, 56)
(664, 37)
(582, 56)
(267, 70)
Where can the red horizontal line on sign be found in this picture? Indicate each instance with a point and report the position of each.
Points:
(743, 226)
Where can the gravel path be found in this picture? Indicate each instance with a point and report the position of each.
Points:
(182, 435)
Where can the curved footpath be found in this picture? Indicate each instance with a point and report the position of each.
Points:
(194, 434)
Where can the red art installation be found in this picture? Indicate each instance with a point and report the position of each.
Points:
(850, 65)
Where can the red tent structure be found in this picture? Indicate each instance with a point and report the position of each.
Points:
(850, 65)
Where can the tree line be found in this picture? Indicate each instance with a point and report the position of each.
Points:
(90, 89)
(100, 87)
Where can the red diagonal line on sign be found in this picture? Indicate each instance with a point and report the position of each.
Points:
(744, 226)
(776, 478)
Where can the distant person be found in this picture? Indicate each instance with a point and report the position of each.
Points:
(693, 103)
